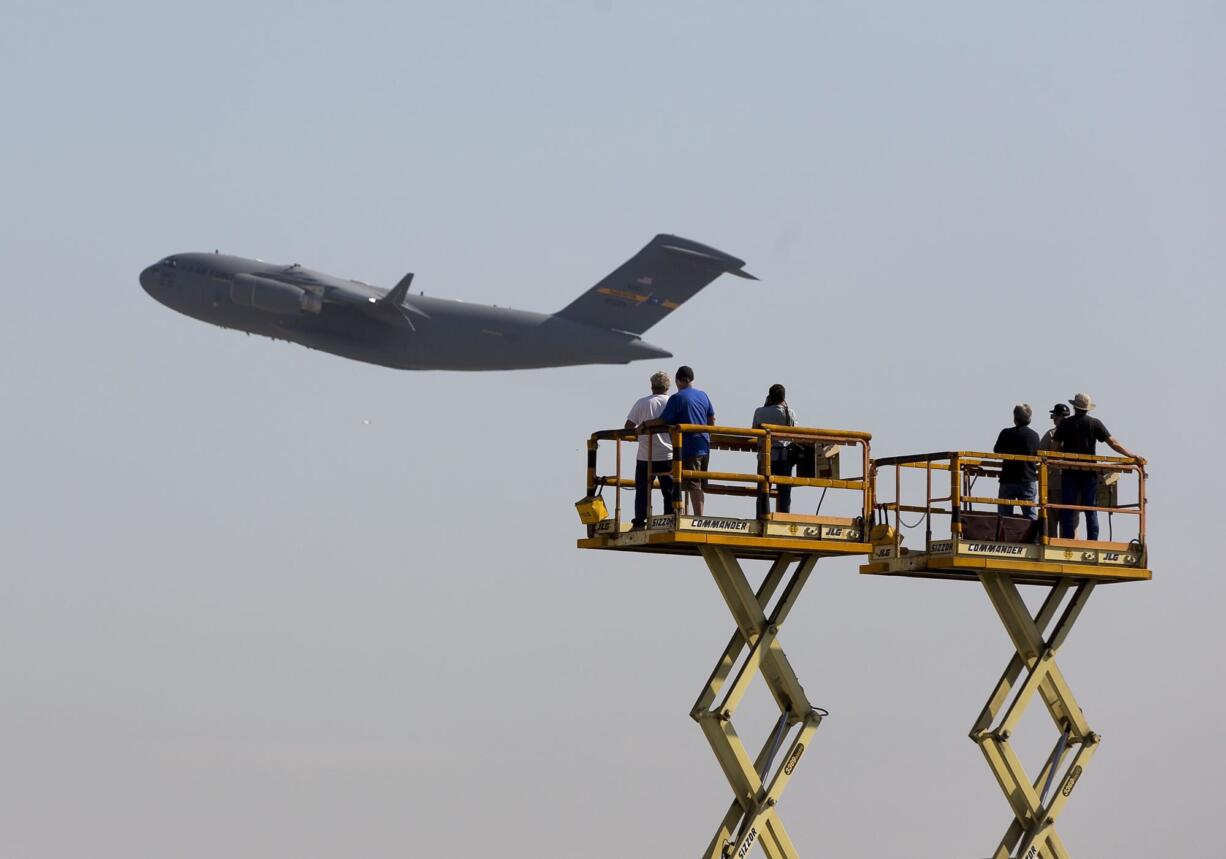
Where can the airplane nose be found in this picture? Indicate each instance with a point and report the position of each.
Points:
(147, 279)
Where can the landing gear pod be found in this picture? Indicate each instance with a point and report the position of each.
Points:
(273, 296)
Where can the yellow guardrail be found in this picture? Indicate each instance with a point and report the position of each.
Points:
(964, 467)
(735, 439)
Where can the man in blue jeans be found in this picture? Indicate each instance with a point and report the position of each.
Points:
(1017, 477)
(689, 406)
(1081, 434)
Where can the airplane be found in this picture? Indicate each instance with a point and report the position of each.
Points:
(392, 328)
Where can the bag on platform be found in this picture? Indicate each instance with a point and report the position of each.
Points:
(801, 455)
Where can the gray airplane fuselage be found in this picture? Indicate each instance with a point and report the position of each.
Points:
(434, 333)
(392, 327)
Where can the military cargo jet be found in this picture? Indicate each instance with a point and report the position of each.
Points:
(407, 331)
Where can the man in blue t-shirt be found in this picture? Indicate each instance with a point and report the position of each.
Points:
(689, 406)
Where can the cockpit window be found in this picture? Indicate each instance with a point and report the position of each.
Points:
(170, 262)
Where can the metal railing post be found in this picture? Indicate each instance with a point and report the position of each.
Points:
(897, 510)
(617, 489)
(1043, 477)
(678, 501)
(955, 496)
(591, 464)
(764, 463)
(651, 477)
(928, 505)
(1141, 503)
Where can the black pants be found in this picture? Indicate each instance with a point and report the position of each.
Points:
(783, 503)
(661, 468)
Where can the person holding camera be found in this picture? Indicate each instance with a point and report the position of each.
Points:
(776, 411)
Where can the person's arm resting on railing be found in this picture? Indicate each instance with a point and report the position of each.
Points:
(1123, 451)
(674, 413)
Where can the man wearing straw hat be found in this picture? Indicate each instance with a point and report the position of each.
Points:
(1080, 434)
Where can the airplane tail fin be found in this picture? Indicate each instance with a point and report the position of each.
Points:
(651, 284)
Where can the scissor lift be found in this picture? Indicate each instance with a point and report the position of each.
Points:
(1002, 553)
(792, 543)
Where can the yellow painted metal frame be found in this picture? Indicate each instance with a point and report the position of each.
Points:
(757, 783)
(747, 538)
(793, 544)
(962, 465)
(1036, 803)
(961, 560)
(746, 440)
(1071, 570)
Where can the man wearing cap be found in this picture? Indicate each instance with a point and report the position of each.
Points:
(1017, 477)
(689, 406)
(1081, 434)
(1058, 412)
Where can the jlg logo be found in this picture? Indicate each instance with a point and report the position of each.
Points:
(1071, 781)
(794, 759)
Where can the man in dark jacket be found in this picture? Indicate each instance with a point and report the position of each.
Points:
(1081, 434)
(1058, 413)
(1018, 477)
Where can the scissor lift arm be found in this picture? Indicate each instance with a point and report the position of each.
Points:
(757, 784)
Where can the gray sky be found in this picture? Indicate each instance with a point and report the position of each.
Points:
(236, 619)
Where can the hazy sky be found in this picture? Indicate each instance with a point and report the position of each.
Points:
(257, 601)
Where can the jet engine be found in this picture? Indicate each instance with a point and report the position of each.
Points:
(262, 293)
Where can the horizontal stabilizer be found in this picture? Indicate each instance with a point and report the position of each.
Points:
(654, 282)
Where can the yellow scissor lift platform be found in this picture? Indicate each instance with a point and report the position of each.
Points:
(1001, 553)
(675, 531)
(792, 543)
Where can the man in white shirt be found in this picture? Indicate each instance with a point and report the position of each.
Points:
(655, 457)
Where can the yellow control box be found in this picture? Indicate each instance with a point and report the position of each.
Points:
(591, 509)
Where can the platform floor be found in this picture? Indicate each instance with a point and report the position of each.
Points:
(748, 538)
(1026, 563)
